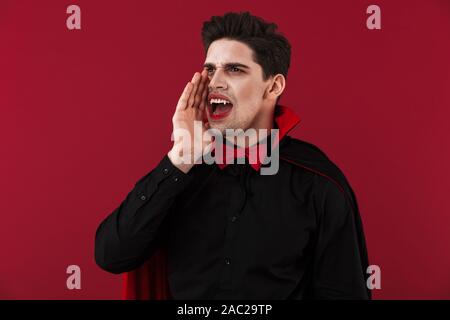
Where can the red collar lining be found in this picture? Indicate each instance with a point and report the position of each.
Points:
(285, 119)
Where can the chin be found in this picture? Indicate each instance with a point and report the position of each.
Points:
(221, 127)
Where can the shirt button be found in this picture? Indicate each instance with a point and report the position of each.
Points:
(165, 171)
(227, 261)
(175, 179)
(143, 197)
(233, 218)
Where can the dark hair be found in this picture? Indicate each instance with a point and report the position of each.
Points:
(271, 49)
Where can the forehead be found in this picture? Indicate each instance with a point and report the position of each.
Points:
(225, 50)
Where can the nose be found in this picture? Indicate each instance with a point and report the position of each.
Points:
(217, 80)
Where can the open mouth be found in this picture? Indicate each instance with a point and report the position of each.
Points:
(219, 106)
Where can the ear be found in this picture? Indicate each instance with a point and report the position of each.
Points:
(276, 86)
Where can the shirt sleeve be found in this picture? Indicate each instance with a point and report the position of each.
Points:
(337, 267)
(134, 230)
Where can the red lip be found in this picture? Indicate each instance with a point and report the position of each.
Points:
(218, 96)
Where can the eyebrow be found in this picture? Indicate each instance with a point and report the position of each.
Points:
(227, 65)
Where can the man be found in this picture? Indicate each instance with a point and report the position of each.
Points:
(192, 230)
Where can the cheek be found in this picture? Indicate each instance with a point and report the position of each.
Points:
(248, 93)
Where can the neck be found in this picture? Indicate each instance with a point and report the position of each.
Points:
(264, 120)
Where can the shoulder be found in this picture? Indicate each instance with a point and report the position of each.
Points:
(296, 148)
(309, 157)
(330, 183)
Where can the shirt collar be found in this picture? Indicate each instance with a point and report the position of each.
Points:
(285, 120)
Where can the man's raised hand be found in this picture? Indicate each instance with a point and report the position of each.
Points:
(190, 108)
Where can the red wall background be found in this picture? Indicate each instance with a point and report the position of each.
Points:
(86, 113)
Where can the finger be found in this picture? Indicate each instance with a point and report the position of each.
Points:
(199, 93)
(195, 81)
(182, 102)
(204, 98)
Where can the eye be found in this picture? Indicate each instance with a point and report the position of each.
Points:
(209, 70)
(235, 69)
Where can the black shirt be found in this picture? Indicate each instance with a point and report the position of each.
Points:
(232, 233)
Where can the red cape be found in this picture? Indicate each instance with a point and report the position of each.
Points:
(150, 282)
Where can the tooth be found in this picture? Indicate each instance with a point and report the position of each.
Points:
(223, 101)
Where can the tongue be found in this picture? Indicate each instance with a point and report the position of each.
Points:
(223, 108)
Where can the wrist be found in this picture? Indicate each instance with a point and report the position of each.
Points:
(179, 160)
